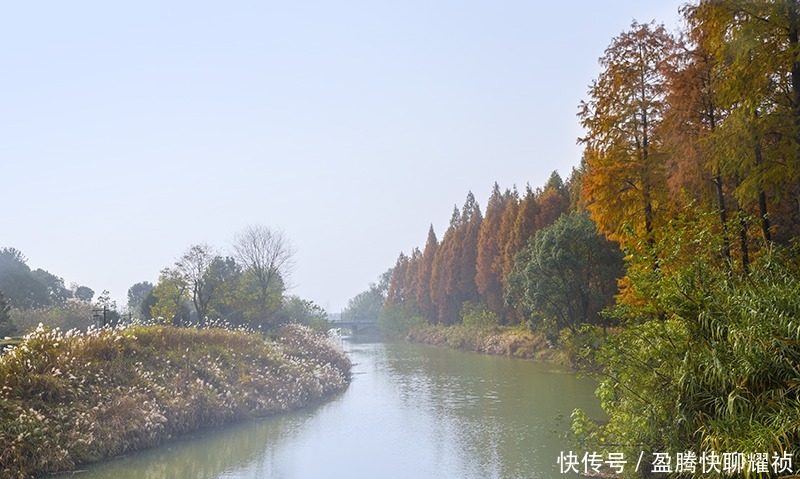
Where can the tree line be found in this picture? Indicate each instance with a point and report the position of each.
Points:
(248, 286)
(29, 296)
(492, 263)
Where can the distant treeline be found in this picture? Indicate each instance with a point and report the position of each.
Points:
(246, 287)
(39, 293)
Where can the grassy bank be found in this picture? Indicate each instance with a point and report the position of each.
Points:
(518, 342)
(69, 399)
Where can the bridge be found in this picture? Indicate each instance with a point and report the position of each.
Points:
(361, 326)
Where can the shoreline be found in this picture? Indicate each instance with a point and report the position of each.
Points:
(514, 342)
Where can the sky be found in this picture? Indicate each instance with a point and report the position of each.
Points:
(130, 131)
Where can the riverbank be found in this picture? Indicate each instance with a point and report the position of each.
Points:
(517, 342)
(68, 399)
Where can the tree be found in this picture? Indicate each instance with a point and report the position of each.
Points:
(268, 256)
(553, 201)
(567, 274)
(489, 283)
(109, 315)
(84, 293)
(137, 295)
(229, 295)
(305, 312)
(195, 266)
(693, 115)
(57, 293)
(7, 326)
(755, 45)
(169, 294)
(467, 252)
(624, 181)
(23, 290)
(398, 290)
(367, 305)
(422, 293)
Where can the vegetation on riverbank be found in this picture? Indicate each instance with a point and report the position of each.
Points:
(500, 340)
(73, 398)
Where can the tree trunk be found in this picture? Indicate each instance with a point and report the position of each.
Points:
(723, 216)
(762, 198)
(743, 241)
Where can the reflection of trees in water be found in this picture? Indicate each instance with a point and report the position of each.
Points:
(208, 456)
(495, 414)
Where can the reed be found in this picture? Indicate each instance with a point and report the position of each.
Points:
(70, 398)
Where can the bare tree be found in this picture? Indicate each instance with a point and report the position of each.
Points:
(194, 266)
(268, 255)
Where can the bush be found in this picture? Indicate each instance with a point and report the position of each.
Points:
(478, 316)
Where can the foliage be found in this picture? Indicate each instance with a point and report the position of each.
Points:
(70, 398)
(7, 326)
(170, 304)
(24, 288)
(137, 294)
(513, 341)
(717, 373)
(566, 275)
(84, 293)
(302, 311)
(478, 316)
(367, 305)
(268, 256)
(397, 320)
(624, 181)
(247, 289)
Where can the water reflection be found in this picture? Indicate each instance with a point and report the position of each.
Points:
(411, 411)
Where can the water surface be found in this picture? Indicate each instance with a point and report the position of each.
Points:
(412, 411)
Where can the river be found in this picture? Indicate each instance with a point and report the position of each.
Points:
(412, 411)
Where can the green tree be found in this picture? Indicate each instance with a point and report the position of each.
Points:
(566, 275)
(23, 290)
(305, 312)
(196, 267)
(84, 293)
(57, 293)
(7, 326)
(170, 294)
(137, 295)
(367, 305)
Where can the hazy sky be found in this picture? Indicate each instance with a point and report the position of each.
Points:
(130, 132)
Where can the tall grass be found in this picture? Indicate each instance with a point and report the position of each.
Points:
(71, 398)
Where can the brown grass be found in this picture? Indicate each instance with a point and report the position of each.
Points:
(502, 341)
